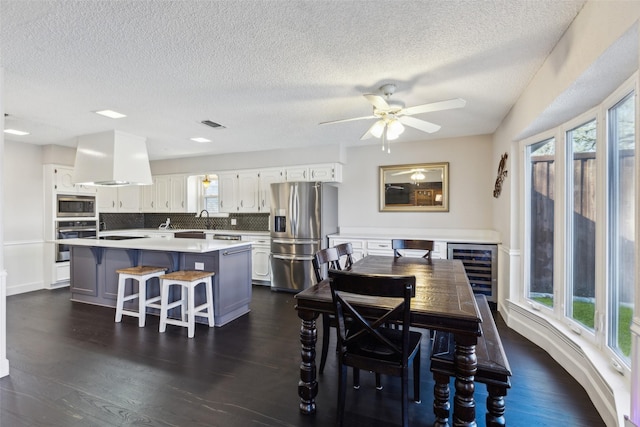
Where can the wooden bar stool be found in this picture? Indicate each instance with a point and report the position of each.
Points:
(142, 274)
(188, 280)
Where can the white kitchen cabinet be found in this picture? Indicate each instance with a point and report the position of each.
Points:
(119, 199)
(363, 246)
(178, 193)
(379, 247)
(240, 191)
(248, 184)
(63, 181)
(148, 197)
(268, 177)
(170, 194)
(300, 173)
(227, 191)
(329, 172)
(107, 199)
(260, 257)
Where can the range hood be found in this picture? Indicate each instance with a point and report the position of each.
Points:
(112, 158)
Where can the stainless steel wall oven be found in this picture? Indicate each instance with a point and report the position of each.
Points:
(73, 205)
(72, 230)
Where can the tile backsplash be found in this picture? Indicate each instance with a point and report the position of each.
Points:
(244, 221)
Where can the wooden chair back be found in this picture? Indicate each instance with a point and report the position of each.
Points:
(399, 244)
(325, 257)
(346, 250)
(352, 318)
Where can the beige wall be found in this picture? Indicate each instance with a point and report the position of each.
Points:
(470, 187)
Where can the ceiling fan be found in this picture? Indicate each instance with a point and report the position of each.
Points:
(393, 115)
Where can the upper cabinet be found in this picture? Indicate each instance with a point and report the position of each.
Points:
(119, 199)
(62, 180)
(267, 177)
(248, 190)
(167, 194)
(329, 172)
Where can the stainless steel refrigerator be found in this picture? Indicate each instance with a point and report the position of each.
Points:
(302, 215)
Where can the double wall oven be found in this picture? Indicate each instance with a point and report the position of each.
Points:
(75, 219)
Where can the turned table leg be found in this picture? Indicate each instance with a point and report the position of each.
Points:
(308, 385)
(496, 406)
(441, 405)
(465, 366)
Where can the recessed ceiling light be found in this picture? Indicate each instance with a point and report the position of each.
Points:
(200, 139)
(16, 132)
(111, 114)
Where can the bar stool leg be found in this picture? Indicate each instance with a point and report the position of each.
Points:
(164, 296)
(209, 292)
(120, 302)
(142, 302)
(191, 313)
(184, 298)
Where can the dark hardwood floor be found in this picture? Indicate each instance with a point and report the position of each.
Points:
(71, 365)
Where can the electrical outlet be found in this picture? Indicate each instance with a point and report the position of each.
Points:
(234, 221)
(199, 266)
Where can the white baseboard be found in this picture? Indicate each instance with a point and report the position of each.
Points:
(24, 287)
(590, 368)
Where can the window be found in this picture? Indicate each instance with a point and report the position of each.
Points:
(581, 223)
(541, 158)
(593, 247)
(210, 199)
(621, 226)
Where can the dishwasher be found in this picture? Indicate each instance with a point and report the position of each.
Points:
(227, 237)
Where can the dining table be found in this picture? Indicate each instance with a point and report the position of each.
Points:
(443, 301)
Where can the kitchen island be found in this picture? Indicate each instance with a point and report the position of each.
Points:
(94, 263)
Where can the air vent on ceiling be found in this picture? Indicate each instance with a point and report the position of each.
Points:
(212, 124)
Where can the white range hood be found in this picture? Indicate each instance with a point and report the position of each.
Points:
(112, 158)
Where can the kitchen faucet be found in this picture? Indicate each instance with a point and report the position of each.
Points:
(208, 219)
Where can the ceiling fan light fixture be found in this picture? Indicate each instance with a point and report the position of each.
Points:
(378, 128)
(394, 129)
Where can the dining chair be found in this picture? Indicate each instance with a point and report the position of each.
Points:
(330, 258)
(365, 343)
(400, 244)
(346, 250)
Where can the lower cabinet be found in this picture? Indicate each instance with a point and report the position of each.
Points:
(260, 258)
(382, 247)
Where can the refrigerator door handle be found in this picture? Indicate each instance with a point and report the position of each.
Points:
(292, 257)
(295, 241)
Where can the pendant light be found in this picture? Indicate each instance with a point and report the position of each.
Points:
(206, 182)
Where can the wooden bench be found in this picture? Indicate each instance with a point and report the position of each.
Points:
(493, 369)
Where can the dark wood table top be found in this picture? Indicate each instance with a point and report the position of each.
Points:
(444, 299)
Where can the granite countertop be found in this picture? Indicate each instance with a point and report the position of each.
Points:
(167, 244)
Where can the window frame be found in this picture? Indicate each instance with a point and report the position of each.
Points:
(599, 337)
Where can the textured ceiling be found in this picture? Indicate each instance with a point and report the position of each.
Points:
(269, 71)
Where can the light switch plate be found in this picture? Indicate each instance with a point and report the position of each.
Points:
(234, 221)
(199, 266)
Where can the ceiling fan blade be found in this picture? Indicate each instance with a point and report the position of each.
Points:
(434, 106)
(368, 133)
(377, 101)
(422, 125)
(347, 120)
